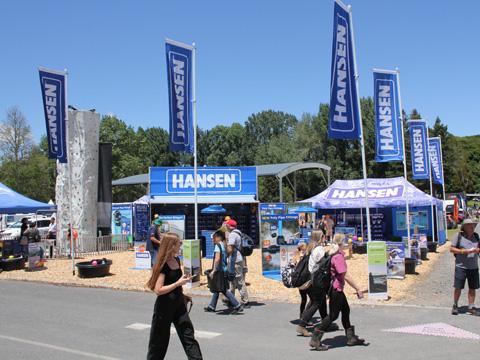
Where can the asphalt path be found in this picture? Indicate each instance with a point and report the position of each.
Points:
(39, 321)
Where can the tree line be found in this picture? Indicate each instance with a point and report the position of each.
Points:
(266, 137)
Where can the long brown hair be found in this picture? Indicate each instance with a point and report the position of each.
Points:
(317, 238)
(166, 250)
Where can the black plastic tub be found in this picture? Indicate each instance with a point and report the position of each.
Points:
(17, 263)
(423, 253)
(410, 264)
(87, 270)
(432, 246)
(360, 248)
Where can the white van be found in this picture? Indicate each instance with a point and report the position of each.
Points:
(43, 223)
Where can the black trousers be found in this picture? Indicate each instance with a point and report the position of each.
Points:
(318, 301)
(303, 302)
(338, 304)
(166, 312)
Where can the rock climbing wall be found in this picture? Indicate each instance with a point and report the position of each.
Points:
(83, 129)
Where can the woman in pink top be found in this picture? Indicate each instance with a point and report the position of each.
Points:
(338, 300)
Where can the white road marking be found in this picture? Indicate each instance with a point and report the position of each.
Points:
(198, 333)
(138, 326)
(58, 348)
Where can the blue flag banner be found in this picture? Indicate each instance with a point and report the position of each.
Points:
(419, 149)
(179, 68)
(435, 151)
(344, 117)
(52, 83)
(388, 125)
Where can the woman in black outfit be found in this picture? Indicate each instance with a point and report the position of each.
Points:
(167, 281)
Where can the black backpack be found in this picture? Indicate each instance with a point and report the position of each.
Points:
(322, 277)
(300, 274)
(246, 244)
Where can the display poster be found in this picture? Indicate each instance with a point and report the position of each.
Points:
(272, 208)
(377, 270)
(378, 227)
(306, 216)
(396, 260)
(141, 222)
(422, 241)
(122, 217)
(418, 219)
(349, 231)
(271, 259)
(173, 223)
(143, 260)
(279, 230)
(35, 260)
(191, 261)
(287, 253)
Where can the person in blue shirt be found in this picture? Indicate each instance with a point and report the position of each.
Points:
(154, 239)
(220, 266)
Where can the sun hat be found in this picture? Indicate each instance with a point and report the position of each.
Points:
(467, 222)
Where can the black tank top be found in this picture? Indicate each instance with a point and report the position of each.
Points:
(171, 277)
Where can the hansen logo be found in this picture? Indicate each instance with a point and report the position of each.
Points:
(377, 193)
(216, 180)
(179, 75)
(52, 90)
(419, 161)
(341, 66)
(385, 111)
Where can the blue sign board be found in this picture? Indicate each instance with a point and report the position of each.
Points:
(180, 69)
(388, 126)
(178, 181)
(55, 109)
(419, 149)
(435, 150)
(141, 222)
(344, 115)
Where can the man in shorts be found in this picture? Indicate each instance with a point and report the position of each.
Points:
(465, 247)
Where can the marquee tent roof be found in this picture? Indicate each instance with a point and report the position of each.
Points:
(350, 194)
(12, 202)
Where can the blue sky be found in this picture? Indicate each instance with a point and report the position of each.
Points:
(252, 55)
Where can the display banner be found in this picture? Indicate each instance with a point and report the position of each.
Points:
(179, 68)
(419, 149)
(177, 181)
(122, 218)
(174, 224)
(54, 97)
(377, 269)
(435, 151)
(388, 125)
(272, 208)
(344, 117)
(142, 257)
(191, 261)
(35, 260)
(396, 260)
(141, 222)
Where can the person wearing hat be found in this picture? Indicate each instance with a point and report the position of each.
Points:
(465, 247)
(155, 239)
(234, 242)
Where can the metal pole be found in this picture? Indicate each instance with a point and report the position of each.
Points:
(431, 185)
(443, 187)
(195, 165)
(404, 159)
(280, 188)
(69, 170)
(362, 142)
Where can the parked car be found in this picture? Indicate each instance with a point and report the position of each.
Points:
(13, 230)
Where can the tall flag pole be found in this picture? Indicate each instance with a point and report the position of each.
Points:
(345, 115)
(182, 105)
(418, 131)
(389, 131)
(431, 187)
(53, 84)
(443, 183)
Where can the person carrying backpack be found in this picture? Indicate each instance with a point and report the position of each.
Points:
(466, 247)
(237, 261)
(338, 300)
(219, 269)
(317, 292)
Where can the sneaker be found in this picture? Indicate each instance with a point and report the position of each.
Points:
(208, 309)
(246, 305)
(472, 311)
(226, 302)
(455, 310)
(237, 310)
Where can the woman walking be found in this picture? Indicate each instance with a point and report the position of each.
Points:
(318, 295)
(219, 269)
(167, 281)
(338, 300)
(301, 250)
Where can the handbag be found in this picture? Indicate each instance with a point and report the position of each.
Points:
(218, 282)
(188, 302)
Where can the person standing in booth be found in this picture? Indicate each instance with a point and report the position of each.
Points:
(166, 282)
(154, 240)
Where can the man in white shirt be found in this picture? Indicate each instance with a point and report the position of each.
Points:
(234, 244)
